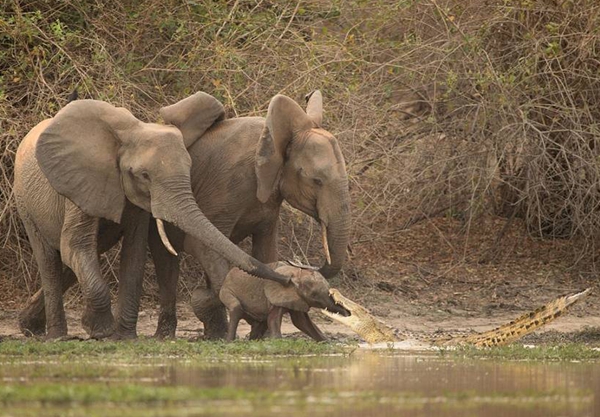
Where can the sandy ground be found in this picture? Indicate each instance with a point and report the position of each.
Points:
(190, 327)
(427, 279)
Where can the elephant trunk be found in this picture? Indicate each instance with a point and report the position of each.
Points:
(173, 202)
(338, 229)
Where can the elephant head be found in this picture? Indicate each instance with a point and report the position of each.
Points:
(309, 289)
(99, 156)
(304, 162)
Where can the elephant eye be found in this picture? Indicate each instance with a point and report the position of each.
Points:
(318, 181)
(144, 174)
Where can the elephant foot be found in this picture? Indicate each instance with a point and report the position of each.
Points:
(57, 333)
(121, 335)
(214, 331)
(124, 333)
(99, 325)
(125, 328)
(167, 324)
(258, 330)
(32, 319)
(211, 312)
(68, 338)
(215, 323)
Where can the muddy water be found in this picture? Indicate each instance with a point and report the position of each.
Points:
(362, 384)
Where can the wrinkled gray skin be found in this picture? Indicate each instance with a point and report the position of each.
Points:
(206, 305)
(242, 171)
(262, 304)
(93, 173)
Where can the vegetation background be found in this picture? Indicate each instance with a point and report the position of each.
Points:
(470, 128)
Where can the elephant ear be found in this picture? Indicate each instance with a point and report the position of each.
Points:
(285, 118)
(314, 107)
(286, 297)
(193, 115)
(77, 152)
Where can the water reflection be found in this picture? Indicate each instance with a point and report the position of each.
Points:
(362, 384)
(371, 371)
(368, 383)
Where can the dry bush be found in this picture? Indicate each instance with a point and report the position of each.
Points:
(508, 95)
(442, 107)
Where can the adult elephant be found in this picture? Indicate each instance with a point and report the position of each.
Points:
(93, 173)
(242, 171)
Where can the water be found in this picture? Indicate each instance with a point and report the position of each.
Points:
(362, 384)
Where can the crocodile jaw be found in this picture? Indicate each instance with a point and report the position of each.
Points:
(360, 320)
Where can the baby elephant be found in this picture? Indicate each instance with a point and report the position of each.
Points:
(262, 303)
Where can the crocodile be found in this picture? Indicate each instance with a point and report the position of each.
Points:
(373, 330)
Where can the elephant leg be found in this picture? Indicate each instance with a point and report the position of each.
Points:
(234, 307)
(258, 330)
(216, 269)
(264, 243)
(206, 305)
(78, 248)
(167, 275)
(32, 319)
(264, 248)
(274, 321)
(131, 271)
(50, 267)
(235, 315)
(303, 322)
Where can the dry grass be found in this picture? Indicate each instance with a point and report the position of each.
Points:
(443, 107)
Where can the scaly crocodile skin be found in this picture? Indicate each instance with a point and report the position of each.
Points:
(374, 331)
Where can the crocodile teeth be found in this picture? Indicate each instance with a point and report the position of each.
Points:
(332, 312)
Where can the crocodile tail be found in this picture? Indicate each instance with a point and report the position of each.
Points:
(525, 324)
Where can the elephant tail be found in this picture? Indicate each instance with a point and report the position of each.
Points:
(73, 96)
(525, 324)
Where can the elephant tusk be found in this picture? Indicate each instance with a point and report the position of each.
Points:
(164, 238)
(325, 244)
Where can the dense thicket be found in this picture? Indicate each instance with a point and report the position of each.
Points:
(444, 107)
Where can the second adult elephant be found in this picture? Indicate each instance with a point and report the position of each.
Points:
(242, 171)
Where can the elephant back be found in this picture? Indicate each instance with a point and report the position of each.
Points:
(222, 172)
